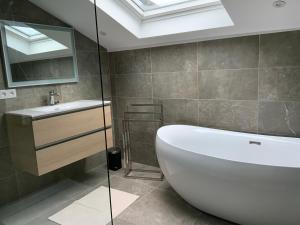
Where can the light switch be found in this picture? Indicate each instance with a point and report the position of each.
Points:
(8, 93)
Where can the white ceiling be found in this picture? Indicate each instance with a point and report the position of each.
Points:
(248, 16)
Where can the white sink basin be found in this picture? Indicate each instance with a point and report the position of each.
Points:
(57, 108)
(60, 108)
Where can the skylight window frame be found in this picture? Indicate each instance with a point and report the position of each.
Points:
(174, 9)
(141, 5)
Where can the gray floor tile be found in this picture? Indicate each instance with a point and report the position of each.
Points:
(152, 183)
(160, 208)
(130, 185)
(41, 221)
(119, 172)
(165, 185)
(49, 206)
(32, 199)
(165, 207)
(121, 222)
(206, 219)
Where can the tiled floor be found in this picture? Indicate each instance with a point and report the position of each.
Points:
(158, 203)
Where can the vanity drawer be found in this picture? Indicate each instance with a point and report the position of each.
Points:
(57, 156)
(53, 129)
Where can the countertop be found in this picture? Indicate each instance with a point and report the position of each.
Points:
(63, 108)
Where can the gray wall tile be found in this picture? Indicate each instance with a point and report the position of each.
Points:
(233, 53)
(144, 132)
(8, 190)
(106, 80)
(228, 115)
(279, 83)
(87, 88)
(144, 153)
(88, 63)
(180, 111)
(279, 118)
(104, 56)
(118, 130)
(134, 61)
(6, 167)
(280, 49)
(83, 43)
(175, 85)
(122, 104)
(2, 79)
(43, 69)
(132, 85)
(174, 58)
(228, 84)
(3, 132)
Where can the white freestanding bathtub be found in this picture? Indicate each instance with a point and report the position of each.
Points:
(244, 178)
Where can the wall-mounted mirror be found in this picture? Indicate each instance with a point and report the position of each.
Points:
(38, 54)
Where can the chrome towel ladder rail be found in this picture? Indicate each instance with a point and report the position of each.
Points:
(126, 137)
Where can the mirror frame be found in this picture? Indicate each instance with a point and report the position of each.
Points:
(7, 67)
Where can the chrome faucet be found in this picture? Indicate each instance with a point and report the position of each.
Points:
(52, 95)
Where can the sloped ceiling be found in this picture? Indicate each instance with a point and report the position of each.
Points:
(249, 17)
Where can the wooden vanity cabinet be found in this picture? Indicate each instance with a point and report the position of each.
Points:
(41, 145)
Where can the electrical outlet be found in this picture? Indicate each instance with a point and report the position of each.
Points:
(8, 93)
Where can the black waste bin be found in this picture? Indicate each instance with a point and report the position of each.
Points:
(114, 159)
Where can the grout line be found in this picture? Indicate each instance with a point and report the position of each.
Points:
(229, 69)
(279, 101)
(198, 91)
(127, 76)
(152, 86)
(163, 72)
(229, 100)
(258, 84)
(192, 99)
(215, 69)
(278, 67)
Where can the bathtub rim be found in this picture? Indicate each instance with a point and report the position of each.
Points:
(220, 158)
(233, 131)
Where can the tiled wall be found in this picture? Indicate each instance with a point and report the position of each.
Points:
(249, 84)
(13, 183)
(46, 69)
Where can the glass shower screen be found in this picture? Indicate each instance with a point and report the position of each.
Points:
(54, 136)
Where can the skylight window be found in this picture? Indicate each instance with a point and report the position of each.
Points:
(27, 33)
(30, 32)
(30, 41)
(147, 5)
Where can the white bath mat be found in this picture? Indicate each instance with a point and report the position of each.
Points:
(93, 209)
